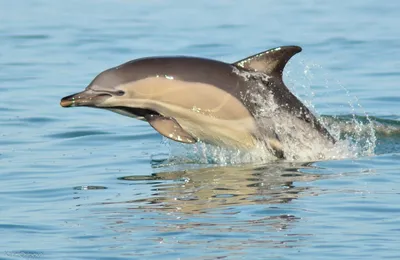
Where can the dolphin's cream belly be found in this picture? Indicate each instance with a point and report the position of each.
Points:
(205, 111)
(238, 133)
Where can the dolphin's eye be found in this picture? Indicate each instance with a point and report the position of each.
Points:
(120, 93)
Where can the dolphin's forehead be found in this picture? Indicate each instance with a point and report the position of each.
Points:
(111, 78)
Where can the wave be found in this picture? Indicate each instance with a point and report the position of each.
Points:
(382, 127)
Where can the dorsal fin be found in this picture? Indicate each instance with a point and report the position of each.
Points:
(271, 62)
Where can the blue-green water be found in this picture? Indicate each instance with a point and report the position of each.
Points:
(89, 184)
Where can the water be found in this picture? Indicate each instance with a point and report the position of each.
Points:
(90, 184)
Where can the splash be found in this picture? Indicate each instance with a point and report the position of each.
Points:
(300, 142)
(361, 140)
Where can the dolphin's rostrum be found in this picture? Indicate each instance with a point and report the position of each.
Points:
(189, 99)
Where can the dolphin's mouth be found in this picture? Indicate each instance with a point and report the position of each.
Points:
(137, 112)
(84, 98)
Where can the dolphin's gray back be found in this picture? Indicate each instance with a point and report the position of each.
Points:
(190, 69)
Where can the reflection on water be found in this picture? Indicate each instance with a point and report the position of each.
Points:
(221, 208)
(206, 189)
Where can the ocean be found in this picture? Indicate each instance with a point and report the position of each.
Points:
(84, 183)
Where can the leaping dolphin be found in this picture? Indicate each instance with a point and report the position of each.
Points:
(190, 99)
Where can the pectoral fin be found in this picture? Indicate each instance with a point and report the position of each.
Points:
(170, 128)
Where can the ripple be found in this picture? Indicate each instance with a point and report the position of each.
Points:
(19, 78)
(207, 46)
(28, 36)
(38, 120)
(90, 187)
(25, 227)
(19, 64)
(387, 98)
(8, 109)
(139, 178)
(230, 26)
(24, 254)
(383, 74)
(76, 134)
(340, 41)
(37, 193)
(114, 50)
(139, 136)
(12, 142)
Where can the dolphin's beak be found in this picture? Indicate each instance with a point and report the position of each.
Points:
(88, 98)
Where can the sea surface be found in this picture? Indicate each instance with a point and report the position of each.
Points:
(82, 183)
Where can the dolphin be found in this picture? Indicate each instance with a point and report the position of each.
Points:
(191, 99)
